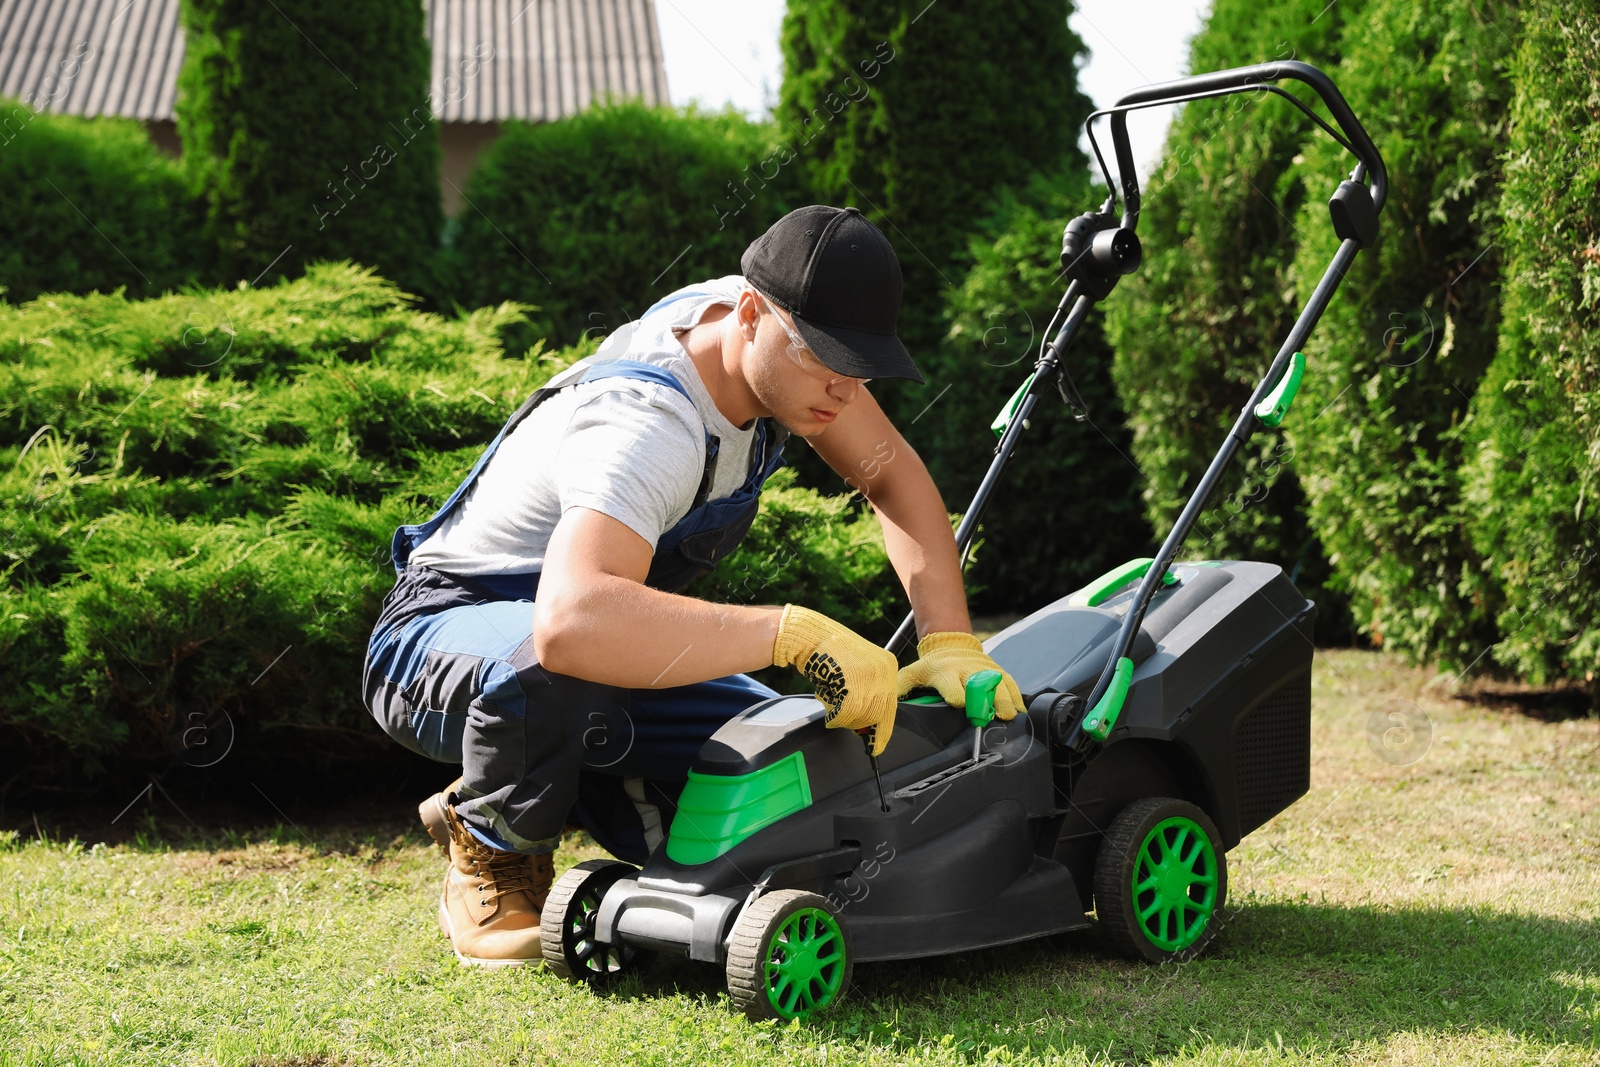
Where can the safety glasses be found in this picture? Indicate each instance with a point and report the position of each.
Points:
(802, 356)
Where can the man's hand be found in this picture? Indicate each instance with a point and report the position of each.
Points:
(854, 678)
(945, 662)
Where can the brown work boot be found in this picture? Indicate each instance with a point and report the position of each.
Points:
(432, 812)
(489, 907)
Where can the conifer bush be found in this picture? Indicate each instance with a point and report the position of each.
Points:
(1396, 360)
(90, 205)
(592, 218)
(1533, 451)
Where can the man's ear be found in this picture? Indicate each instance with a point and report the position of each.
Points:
(747, 313)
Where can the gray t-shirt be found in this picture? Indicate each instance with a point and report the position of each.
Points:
(632, 450)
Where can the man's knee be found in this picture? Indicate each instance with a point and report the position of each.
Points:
(522, 753)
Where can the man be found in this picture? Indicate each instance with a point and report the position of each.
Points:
(535, 634)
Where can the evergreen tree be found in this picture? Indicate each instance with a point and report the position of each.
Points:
(1534, 432)
(308, 131)
(1396, 359)
(919, 113)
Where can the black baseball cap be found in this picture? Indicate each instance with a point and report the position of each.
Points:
(836, 275)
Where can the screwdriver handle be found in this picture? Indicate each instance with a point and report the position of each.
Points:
(980, 697)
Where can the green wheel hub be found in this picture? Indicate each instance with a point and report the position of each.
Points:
(805, 964)
(1175, 884)
(594, 960)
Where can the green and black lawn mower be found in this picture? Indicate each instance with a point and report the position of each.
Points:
(1168, 715)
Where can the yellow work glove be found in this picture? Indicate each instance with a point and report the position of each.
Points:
(854, 678)
(946, 660)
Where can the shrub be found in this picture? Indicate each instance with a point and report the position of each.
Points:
(182, 540)
(91, 205)
(1197, 326)
(593, 218)
(308, 133)
(1534, 430)
(1398, 356)
(173, 526)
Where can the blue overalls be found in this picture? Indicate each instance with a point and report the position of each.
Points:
(451, 674)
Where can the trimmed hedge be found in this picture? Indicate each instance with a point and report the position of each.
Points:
(1395, 361)
(90, 205)
(1197, 326)
(1534, 430)
(197, 495)
(196, 483)
(308, 132)
(593, 218)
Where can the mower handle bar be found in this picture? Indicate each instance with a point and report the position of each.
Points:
(1076, 302)
(1236, 80)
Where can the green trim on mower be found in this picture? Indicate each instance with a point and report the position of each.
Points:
(1175, 884)
(716, 811)
(804, 969)
(1103, 716)
(1112, 582)
(1007, 413)
(1275, 405)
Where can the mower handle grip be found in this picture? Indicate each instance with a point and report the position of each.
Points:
(1237, 79)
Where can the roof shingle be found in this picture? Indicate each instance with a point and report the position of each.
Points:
(492, 59)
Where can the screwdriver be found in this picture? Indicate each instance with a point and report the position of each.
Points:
(866, 739)
(980, 705)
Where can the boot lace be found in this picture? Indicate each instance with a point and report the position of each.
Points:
(503, 873)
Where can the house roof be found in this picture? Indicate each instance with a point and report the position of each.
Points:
(536, 59)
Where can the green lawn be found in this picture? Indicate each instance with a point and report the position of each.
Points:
(1442, 911)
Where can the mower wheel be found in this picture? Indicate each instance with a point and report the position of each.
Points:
(1160, 881)
(788, 956)
(566, 926)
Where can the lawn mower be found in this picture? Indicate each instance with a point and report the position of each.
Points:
(1168, 715)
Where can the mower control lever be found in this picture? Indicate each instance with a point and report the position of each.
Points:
(1103, 716)
(1275, 405)
(1007, 413)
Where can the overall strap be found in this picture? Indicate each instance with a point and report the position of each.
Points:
(649, 372)
(639, 371)
(408, 537)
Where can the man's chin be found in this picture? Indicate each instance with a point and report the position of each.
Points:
(805, 425)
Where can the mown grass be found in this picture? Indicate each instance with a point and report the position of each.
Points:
(1446, 911)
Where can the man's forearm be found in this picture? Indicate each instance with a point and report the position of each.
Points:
(619, 632)
(922, 548)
